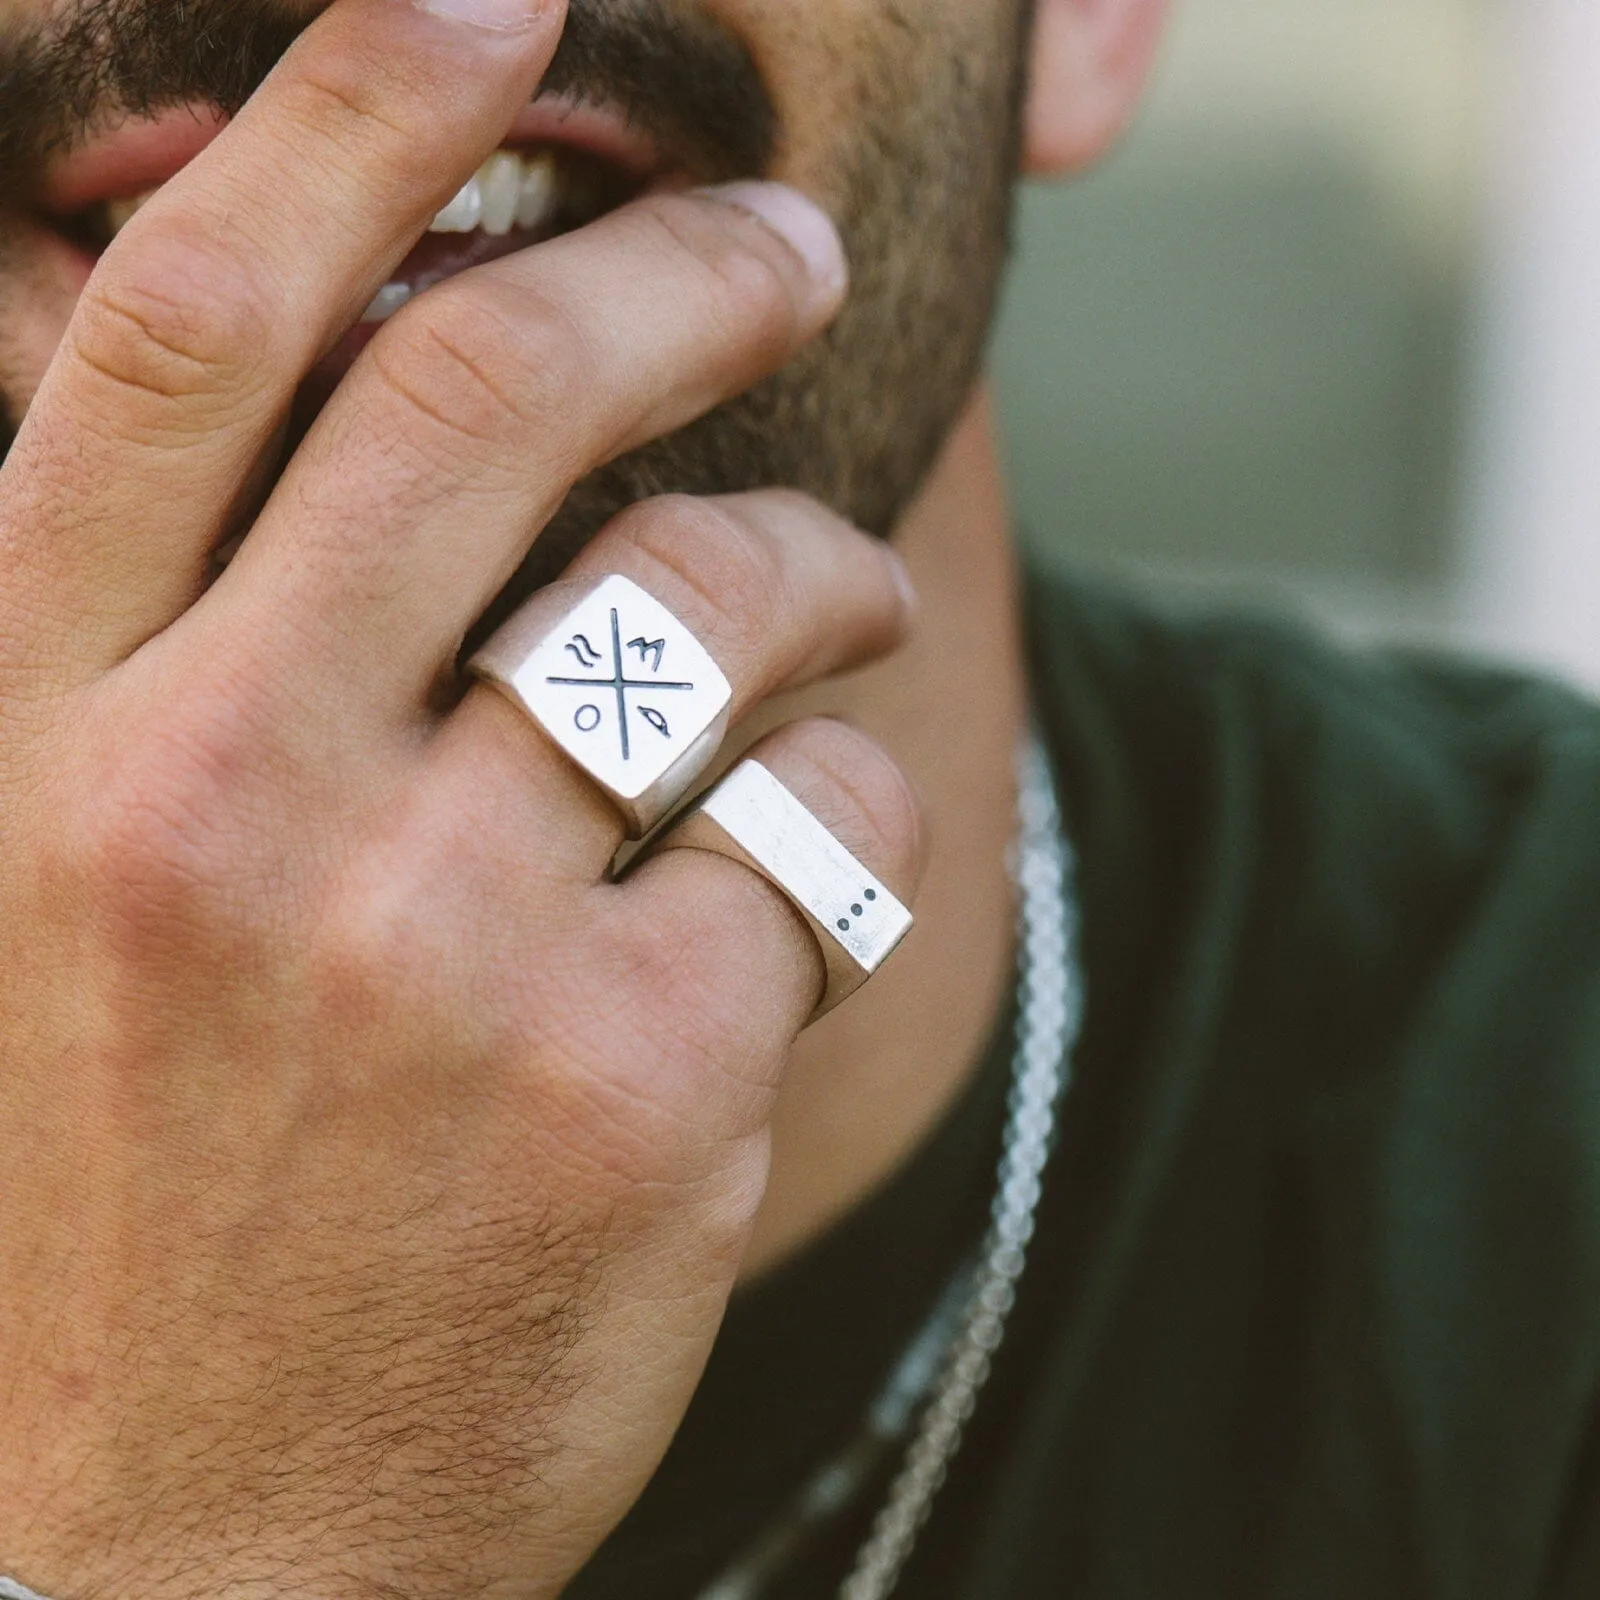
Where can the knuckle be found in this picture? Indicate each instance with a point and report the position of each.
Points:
(151, 848)
(347, 100)
(362, 119)
(165, 832)
(735, 578)
(456, 361)
(663, 1072)
(180, 319)
(369, 954)
(744, 285)
(672, 1001)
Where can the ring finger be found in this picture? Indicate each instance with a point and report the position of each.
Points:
(776, 589)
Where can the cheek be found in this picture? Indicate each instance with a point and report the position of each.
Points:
(829, 63)
(807, 56)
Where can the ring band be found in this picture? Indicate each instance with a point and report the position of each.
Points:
(752, 819)
(623, 687)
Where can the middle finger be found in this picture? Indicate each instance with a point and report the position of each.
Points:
(206, 311)
(463, 426)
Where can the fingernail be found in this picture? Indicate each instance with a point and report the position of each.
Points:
(804, 225)
(495, 16)
(901, 574)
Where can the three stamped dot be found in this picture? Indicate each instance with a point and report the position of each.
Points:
(857, 910)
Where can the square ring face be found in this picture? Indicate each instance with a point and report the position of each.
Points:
(628, 692)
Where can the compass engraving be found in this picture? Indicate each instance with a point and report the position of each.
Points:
(589, 716)
(621, 685)
(647, 648)
(586, 653)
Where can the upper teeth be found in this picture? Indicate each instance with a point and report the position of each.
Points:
(510, 189)
(521, 189)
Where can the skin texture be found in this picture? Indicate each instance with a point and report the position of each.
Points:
(375, 1170)
(920, 187)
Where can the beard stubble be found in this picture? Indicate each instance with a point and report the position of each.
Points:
(921, 184)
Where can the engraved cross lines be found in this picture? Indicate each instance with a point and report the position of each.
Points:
(619, 682)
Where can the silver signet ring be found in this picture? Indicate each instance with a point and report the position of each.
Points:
(619, 684)
(751, 818)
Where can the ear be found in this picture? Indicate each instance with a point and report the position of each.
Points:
(1090, 61)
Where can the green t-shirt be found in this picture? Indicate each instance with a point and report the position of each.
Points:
(1314, 1306)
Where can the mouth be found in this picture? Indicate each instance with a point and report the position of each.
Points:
(562, 164)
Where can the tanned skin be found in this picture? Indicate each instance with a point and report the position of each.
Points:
(375, 1171)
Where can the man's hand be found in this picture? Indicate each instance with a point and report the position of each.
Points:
(373, 1172)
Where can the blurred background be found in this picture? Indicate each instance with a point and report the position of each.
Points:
(1325, 335)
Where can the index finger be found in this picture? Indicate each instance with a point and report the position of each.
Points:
(207, 310)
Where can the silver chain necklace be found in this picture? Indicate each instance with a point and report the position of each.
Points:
(946, 1366)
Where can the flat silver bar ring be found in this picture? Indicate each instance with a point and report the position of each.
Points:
(752, 819)
(623, 687)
